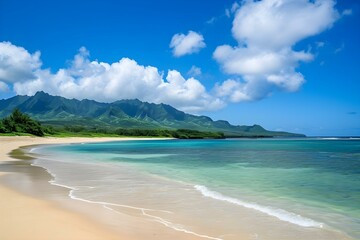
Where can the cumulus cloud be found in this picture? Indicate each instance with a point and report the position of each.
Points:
(194, 71)
(253, 61)
(274, 24)
(107, 82)
(4, 87)
(233, 90)
(187, 94)
(262, 62)
(17, 64)
(187, 44)
(266, 32)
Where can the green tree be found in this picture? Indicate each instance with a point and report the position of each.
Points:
(2, 128)
(22, 123)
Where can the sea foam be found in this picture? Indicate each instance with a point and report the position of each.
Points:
(281, 214)
(144, 211)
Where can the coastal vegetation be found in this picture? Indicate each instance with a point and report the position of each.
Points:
(19, 123)
(70, 131)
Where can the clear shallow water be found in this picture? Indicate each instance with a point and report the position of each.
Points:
(308, 183)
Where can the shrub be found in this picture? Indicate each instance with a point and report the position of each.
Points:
(21, 123)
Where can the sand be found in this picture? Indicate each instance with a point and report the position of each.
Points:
(23, 217)
(7, 144)
(29, 217)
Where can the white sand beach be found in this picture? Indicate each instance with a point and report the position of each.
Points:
(29, 217)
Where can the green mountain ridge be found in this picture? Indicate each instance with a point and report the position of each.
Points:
(60, 111)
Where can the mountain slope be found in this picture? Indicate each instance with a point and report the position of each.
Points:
(59, 111)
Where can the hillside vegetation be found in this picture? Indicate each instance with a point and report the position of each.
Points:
(19, 123)
(90, 115)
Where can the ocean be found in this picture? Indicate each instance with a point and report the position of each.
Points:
(220, 189)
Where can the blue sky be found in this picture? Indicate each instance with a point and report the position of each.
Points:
(288, 65)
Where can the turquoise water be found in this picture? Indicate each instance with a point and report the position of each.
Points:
(306, 182)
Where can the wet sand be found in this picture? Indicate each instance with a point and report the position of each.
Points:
(31, 208)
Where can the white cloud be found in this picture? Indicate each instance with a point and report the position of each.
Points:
(194, 71)
(233, 90)
(107, 82)
(234, 7)
(320, 44)
(211, 20)
(4, 87)
(187, 94)
(266, 31)
(340, 49)
(227, 13)
(239, 91)
(347, 12)
(187, 44)
(252, 61)
(16, 64)
(259, 67)
(274, 24)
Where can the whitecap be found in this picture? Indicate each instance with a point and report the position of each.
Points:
(281, 214)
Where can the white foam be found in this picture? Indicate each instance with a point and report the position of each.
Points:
(141, 156)
(143, 210)
(169, 224)
(178, 227)
(75, 188)
(107, 205)
(281, 214)
(72, 196)
(33, 149)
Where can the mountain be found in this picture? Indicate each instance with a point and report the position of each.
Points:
(59, 111)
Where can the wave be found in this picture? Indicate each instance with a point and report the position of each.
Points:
(281, 214)
(331, 138)
(32, 149)
(339, 138)
(144, 211)
(108, 205)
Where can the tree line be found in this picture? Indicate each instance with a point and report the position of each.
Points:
(18, 122)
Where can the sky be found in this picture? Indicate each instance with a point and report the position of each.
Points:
(288, 65)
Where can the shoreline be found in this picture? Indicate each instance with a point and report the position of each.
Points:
(58, 216)
(129, 218)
